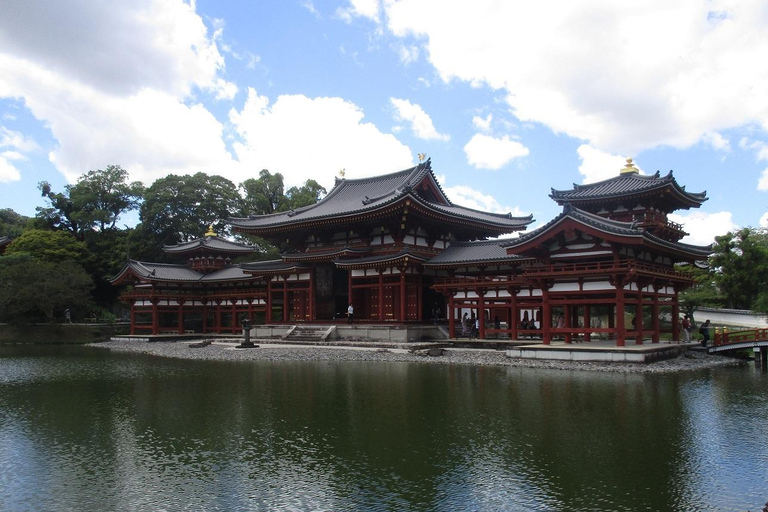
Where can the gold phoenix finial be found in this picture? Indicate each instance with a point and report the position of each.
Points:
(342, 172)
(422, 156)
(210, 231)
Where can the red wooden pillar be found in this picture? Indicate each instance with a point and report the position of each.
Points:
(180, 315)
(349, 290)
(155, 317)
(451, 317)
(513, 314)
(639, 316)
(546, 316)
(419, 305)
(205, 316)
(217, 317)
(381, 295)
(312, 295)
(233, 327)
(402, 295)
(567, 321)
(481, 313)
(620, 331)
(285, 299)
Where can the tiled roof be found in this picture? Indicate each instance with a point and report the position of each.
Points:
(381, 258)
(486, 251)
(624, 229)
(178, 273)
(270, 266)
(324, 253)
(351, 197)
(625, 185)
(212, 244)
(4, 240)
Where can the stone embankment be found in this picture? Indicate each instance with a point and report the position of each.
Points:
(269, 351)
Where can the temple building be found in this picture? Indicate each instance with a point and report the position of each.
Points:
(4, 242)
(399, 251)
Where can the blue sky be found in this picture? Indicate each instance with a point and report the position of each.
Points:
(509, 99)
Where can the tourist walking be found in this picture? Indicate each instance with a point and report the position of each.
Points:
(350, 313)
(686, 323)
(704, 331)
(67, 316)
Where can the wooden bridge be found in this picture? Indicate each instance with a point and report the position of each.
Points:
(756, 339)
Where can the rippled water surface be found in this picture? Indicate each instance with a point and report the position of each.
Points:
(84, 429)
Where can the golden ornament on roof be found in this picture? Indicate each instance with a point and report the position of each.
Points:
(210, 231)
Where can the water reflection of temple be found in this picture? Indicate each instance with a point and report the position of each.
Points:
(398, 250)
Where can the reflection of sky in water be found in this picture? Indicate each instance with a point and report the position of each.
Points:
(95, 431)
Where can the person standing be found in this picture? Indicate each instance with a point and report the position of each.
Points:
(67, 316)
(686, 324)
(350, 313)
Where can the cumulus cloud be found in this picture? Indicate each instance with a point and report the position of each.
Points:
(762, 184)
(598, 165)
(360, 8)
(469, 197)
(8, 171)
(486, 152)
(420, 122)
(592, 71)
(763, 222)
(118, 48)
(303, 137)
(16, 140)
(704, 227)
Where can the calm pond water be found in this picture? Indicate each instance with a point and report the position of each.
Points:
(83, 429)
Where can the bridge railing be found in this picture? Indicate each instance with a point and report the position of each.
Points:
(725, 337)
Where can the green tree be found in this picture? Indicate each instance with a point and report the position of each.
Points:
(704, 292)
(305, 195)
(180, 208)
(740, 261)
(95, 202)
(263, 195)
(32, 289)
(53, 246)
(12, 224)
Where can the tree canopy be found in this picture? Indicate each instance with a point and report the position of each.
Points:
(95, 202)
(54, 246)
(740, 263)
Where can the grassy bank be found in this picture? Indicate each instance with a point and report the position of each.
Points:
(43, 334)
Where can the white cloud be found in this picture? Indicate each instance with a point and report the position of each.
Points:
(360, 8)
(763, 183)
(597, 165)
(469, 197)
(408, 54)
(303, 138)
(704, 227)
(117, 48)
(420, 122)
(9, 172)
(763, 222)
(482, 123)
(485, 152)
(16, 140)
(592, 71)
(717, 141)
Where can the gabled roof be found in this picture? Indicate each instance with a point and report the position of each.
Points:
(627, 185)
(210, 244)
(271, 267)
(325, 254)
(625, 232)
(350, 198)
(375, 260)
(172, 273)
(4, 241)
(474, 253)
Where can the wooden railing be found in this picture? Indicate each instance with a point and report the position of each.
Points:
(726, 337)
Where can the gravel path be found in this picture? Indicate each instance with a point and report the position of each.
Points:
(268, 351)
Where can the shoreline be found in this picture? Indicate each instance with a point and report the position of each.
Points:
(270, 351)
